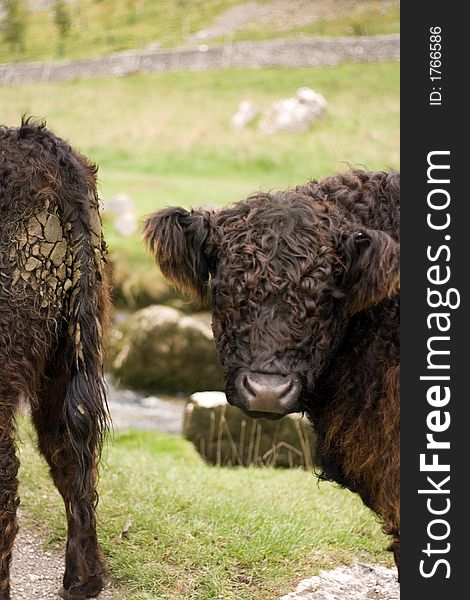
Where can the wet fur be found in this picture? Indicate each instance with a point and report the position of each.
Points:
(52, 318)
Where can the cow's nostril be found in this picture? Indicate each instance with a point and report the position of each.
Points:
(289, 385)
(247, 385)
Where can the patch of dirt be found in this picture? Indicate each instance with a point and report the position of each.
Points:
(357, 582)
(282, 16)
(36, 574)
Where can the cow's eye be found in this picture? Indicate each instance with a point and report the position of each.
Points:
(220, 296)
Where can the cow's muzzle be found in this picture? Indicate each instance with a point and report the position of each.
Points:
(264, 395)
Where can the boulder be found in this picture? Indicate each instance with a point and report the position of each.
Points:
(121, 209)
(294, 114)
(355, 582)
(224, 435)
(162, 349)
(245, 114)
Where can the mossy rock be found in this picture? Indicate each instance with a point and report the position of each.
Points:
(162, 349)
(224, 435)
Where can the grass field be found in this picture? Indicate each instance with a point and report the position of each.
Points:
(166, 139)
(103, 26)
(363, 19)
(199, 532)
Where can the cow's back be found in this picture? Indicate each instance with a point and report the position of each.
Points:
(370, 199)
(43, 226)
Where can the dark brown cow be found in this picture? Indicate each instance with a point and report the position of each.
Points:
(53, 308)
(304, 289)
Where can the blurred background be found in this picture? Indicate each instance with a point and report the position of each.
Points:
(201, 103)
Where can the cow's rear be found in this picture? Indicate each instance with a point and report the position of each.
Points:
(53, 310)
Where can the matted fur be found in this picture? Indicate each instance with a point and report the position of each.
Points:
(53, 310)
(306, 282)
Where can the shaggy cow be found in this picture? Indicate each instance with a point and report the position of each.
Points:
(53, 307)
(304, 290)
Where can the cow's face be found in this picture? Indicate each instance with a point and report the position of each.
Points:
(285, 273)
(274, 299)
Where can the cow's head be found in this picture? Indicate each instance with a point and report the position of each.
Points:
(285, 272)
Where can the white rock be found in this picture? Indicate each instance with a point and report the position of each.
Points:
(209, 399)
(356, 582)
(309, 96)
(245, 114)
(294, 114)
(118, 204)
(126, 224)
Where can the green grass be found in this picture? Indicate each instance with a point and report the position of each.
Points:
(199, 532)
(362, 19)
(100, 27)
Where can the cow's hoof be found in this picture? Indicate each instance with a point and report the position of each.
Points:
(90, 589)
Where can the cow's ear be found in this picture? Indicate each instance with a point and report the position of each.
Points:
(177, 239)
(372, 261)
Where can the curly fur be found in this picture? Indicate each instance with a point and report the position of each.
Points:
(53, 310)
(306, 282)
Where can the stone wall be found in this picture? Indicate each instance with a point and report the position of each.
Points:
(312, 52)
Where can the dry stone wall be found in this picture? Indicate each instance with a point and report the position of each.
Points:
(309, 52)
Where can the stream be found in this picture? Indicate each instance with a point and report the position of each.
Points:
(132, 409)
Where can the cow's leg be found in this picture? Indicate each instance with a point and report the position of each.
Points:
(75, 478)
(395, 548)
(9, 501)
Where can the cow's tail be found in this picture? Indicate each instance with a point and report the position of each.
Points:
(86, 412)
